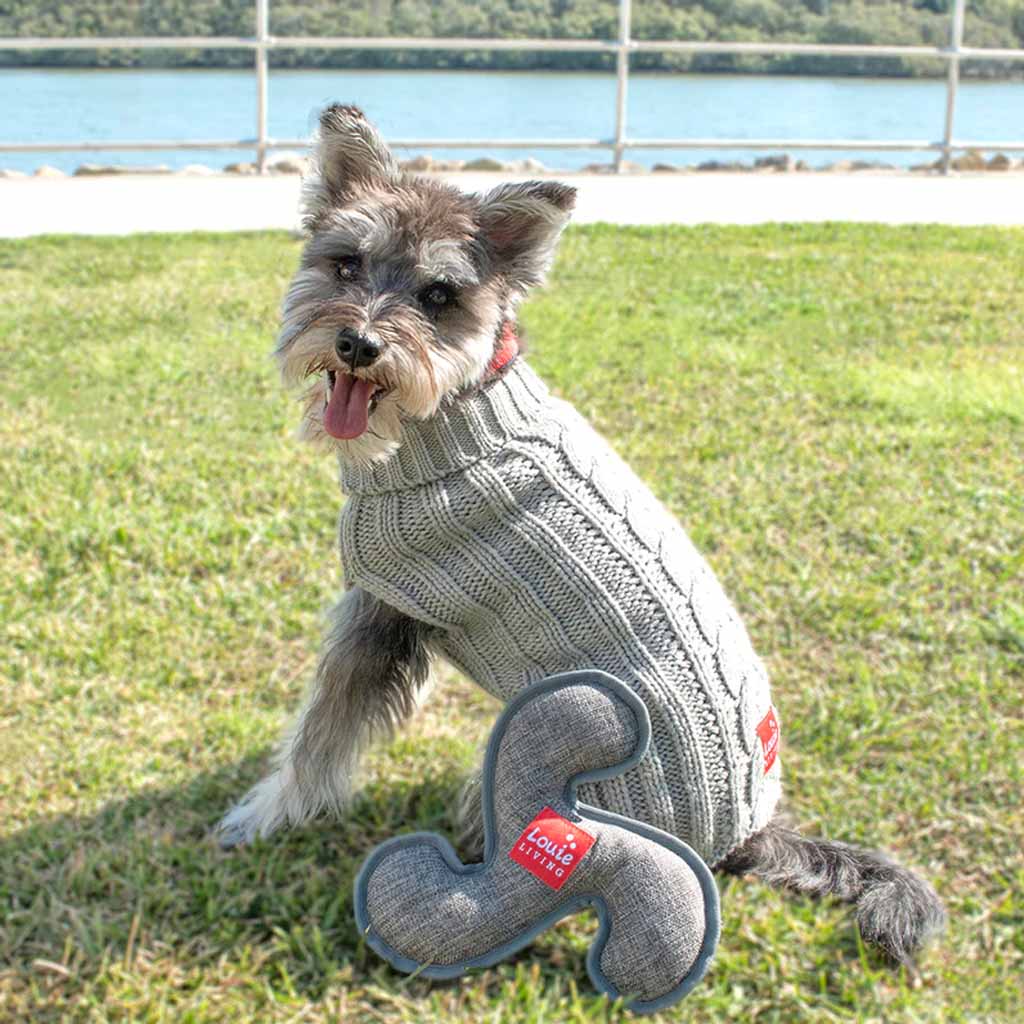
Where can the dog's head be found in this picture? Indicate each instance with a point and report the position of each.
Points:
(403, 287)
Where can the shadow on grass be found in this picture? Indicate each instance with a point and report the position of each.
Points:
(97, 906)
(142, 881)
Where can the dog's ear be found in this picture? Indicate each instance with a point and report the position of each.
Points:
(521, 224)
(349, 156)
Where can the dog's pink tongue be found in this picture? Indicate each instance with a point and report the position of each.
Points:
(348, 408)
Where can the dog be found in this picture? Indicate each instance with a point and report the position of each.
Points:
(487, 523)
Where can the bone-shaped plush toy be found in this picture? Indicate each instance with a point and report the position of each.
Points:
(546, 855)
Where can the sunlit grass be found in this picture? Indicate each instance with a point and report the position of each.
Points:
(835, 413)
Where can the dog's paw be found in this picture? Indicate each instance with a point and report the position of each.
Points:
(241, 825)
(262, 810)
(230, 832)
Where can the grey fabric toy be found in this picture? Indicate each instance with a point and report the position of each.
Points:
(546, 855)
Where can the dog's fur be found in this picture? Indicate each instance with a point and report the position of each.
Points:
(429, 275)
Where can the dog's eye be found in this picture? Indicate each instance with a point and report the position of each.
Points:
(348, 267)
(437, 295)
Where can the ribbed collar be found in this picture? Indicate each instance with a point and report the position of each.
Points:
(464, 430)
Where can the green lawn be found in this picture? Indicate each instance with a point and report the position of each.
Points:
(836, 414)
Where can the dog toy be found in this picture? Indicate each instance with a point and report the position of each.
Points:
(546, 855)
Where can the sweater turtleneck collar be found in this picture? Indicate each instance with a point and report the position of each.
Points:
(466, 429)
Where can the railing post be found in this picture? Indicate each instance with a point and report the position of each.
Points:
(622, 81)
(262, 35)
(956, 39)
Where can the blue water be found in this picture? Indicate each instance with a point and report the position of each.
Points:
(49, 105)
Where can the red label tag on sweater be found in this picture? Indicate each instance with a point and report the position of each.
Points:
(768, 734)
(551, 848)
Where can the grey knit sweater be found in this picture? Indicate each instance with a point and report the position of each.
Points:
(508, 524)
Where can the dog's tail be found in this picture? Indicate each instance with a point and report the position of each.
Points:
(896, 910)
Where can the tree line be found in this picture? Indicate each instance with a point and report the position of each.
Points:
(990, 23)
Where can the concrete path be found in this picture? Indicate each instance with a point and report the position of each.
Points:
(122, 205)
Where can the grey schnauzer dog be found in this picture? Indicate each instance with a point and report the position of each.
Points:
(488, 524)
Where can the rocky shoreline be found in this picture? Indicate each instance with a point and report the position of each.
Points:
(776, 163)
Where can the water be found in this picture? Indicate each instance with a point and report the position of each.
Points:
(55, 105)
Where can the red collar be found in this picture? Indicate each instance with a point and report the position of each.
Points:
(506, 350)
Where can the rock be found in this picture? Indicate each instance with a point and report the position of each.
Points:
(287, 167)
(628, 167)
(775, 162)
(241, 168)
(721, 165)
(196, 170)
(846, 166)
(10, 174)
(46, 171)
(802, 165)
(423, 162)
(486, 163)
(528, 166)
(972, 160)
(1000, 162)
(288, 163)
(93, 170)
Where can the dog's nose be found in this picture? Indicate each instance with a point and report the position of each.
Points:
(356, 349)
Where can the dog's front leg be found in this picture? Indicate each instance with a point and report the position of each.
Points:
(374, 661)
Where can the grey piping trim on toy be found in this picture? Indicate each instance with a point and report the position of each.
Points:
(700, 869)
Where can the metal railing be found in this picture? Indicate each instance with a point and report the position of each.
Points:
(624, 45)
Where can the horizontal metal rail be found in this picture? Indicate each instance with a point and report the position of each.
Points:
(263, 42)
(818, 50)
(128, 43)
(124, 144)
(525, 44)
(882, 145)
(879, 145)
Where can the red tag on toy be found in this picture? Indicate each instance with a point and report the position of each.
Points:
(768, 734)
(551, 848)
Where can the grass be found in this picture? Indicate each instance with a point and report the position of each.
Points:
(836, 414)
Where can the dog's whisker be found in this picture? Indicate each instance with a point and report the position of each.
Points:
(423, 355)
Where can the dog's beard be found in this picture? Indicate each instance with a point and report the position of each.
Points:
(410, 379)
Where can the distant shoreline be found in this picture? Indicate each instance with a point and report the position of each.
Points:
(923, 26)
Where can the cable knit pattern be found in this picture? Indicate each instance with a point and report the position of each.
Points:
(510, 525)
